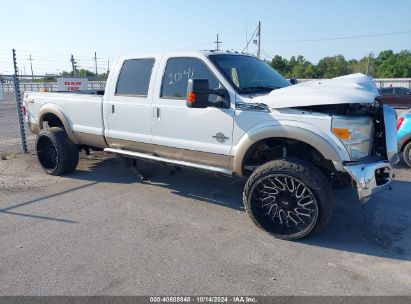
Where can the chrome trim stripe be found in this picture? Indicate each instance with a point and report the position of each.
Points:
(169, 161)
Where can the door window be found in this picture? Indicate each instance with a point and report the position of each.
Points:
(387, 91)
(134, 77)
(401, 91)
(179, 71)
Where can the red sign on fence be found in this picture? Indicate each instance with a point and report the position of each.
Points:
(72, 84)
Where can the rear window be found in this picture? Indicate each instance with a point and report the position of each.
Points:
(134, 77)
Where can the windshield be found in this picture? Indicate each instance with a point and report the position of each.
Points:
(249, 74)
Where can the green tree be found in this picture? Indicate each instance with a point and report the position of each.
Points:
(334, 66)
(391, 65)
(279, 64)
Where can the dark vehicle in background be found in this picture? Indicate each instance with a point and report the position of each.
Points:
(397, 97)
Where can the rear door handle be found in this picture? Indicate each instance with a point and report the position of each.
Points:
(156, 113)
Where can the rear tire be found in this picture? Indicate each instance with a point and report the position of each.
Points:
(55, 152)
(289, 198)
(406, 154)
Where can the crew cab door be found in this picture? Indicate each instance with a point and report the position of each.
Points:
(197, 135)
(128, 107)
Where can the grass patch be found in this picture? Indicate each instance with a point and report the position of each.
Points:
(5, 156)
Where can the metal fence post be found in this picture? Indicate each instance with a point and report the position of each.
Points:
(18, 101)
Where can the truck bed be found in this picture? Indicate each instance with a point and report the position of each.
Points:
(83, 111)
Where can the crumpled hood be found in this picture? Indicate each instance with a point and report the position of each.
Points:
(353, 88)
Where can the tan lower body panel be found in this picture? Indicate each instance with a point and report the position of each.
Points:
(204, 158)
(91, 140)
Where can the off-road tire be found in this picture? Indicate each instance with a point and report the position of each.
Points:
(55, 152)
(309, 179)
(406, 154)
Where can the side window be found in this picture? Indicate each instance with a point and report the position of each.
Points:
(401, 91)
(177, 73)
(134, 77)
(387, 91)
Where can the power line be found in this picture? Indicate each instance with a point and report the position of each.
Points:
(342, 38)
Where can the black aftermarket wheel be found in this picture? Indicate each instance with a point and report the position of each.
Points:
(288, 198)
(56, 154)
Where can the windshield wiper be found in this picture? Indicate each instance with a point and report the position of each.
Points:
(266, 88)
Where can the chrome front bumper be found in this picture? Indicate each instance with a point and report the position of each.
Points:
(375, 177)
(370, 178)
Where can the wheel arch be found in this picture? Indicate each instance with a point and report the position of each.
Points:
(51, 111)
(403, 142)
(318, 142)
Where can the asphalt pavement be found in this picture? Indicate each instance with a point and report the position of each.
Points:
(100, 231)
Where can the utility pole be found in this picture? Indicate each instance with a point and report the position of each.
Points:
(259, 40)
(95, 61)
(218, 42)
(31, 67)
(73, 65)
(368, 63)
(108, 66)
(32, 74)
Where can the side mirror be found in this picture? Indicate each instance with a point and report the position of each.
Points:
(293, 81)
(198, 93)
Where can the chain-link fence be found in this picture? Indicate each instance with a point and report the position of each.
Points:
(14, 137)
(10, 133)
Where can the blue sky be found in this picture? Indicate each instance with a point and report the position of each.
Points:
(52, 30)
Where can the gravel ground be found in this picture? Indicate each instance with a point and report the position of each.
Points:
(99, 231)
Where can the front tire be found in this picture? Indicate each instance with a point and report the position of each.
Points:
(289, 198)
(55, 152)
(406, 154)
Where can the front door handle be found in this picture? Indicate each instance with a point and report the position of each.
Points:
(113, 109)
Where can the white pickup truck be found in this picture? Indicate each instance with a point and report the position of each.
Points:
(230, 114)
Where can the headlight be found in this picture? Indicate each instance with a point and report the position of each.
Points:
(355, 133)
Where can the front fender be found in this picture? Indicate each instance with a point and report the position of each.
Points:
(325, 143)
(53, 109)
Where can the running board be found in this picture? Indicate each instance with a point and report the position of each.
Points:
(169, 161)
